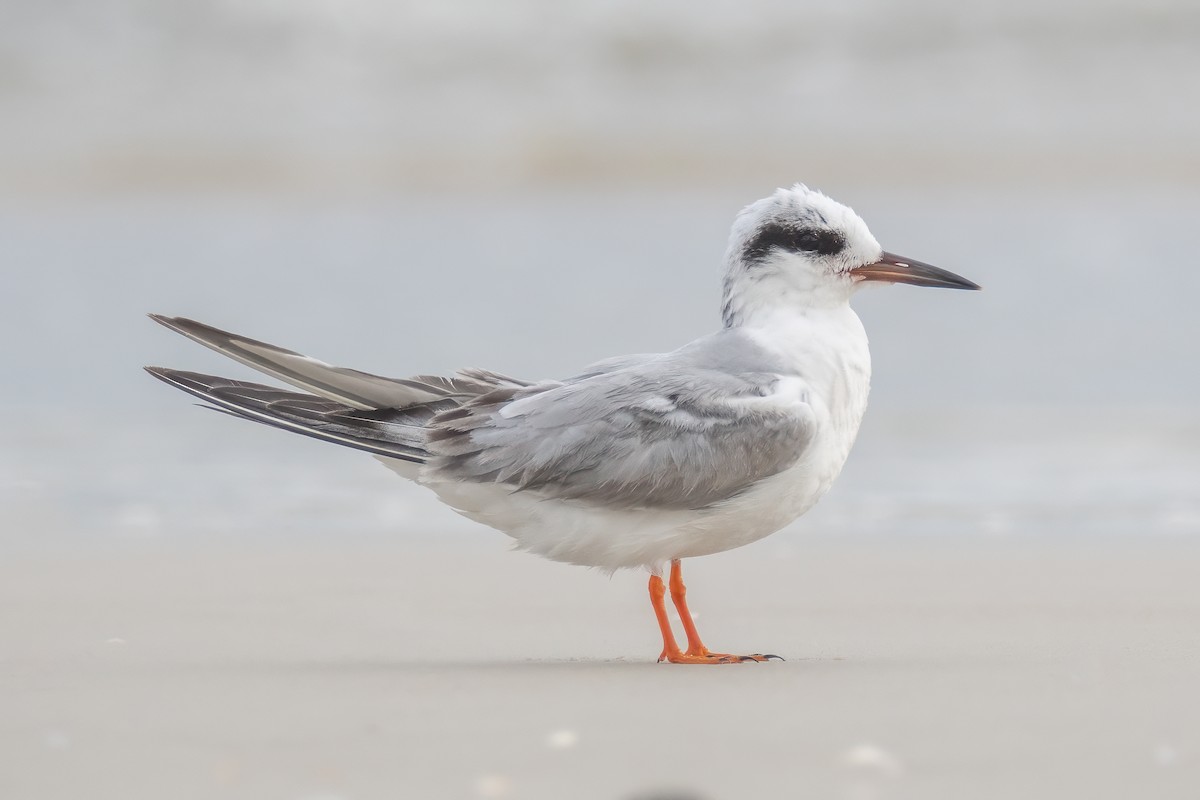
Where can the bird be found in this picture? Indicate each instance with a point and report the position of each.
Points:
(638, 461)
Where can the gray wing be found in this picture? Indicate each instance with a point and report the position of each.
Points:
(674, 431)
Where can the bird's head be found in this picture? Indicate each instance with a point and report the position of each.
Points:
(801, 248)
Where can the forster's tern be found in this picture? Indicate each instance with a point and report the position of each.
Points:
(637, 461)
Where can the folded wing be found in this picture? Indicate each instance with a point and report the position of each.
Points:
(660, 434)
(680, 430)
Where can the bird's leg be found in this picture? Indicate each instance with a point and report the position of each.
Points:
(658, 593)
(679, 598)
(696, 653)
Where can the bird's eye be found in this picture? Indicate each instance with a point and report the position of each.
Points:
(807, 240)
(822, 242)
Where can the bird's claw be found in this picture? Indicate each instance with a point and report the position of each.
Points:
(705, 657)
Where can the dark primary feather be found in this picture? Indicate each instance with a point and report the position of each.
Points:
(396, 433)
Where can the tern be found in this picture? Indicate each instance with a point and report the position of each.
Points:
(637, 461)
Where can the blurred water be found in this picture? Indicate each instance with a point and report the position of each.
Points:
(1061, 400)
(1088, 298)
(193, 476)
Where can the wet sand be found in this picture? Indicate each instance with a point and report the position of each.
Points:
(917, 667)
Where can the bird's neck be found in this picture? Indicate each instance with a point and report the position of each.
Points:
(827, 348)
(760, 295)
(818, 337)
(808, 324)
(831, 334)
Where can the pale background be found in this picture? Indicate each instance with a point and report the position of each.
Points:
(528, 186)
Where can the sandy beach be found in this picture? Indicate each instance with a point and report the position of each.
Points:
(917, 667)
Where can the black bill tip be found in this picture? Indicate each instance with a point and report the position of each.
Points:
(891, 268)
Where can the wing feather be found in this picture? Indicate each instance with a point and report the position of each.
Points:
(396, 433)
(351, 387)
(669, 432)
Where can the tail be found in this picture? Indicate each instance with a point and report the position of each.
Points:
(383, 416)
(349, 386)
(394, 433)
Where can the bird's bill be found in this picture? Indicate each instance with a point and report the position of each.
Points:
(891, 268)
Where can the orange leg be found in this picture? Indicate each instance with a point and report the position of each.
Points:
(696, 653)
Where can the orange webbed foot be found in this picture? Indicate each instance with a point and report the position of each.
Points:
(707, 657)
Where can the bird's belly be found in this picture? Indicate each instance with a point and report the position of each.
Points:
(590, 535)
(760, 511)
(571, 531)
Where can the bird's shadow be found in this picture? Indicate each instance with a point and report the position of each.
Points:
(367, 666)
